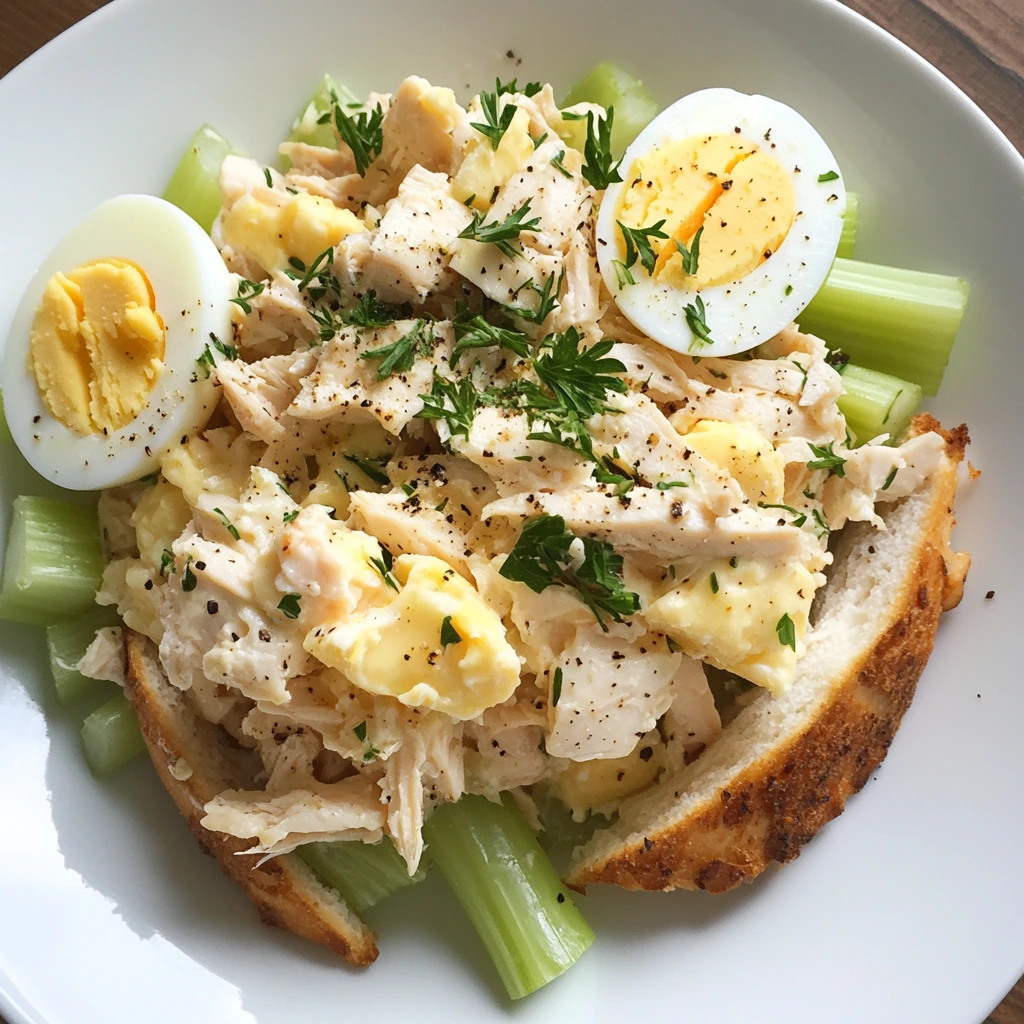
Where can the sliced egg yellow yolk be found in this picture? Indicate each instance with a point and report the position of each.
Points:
(740, 195)
(744, 452)
(96, 346)
(304, 227)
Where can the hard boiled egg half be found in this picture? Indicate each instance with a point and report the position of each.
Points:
(746, 203)
(109, 356)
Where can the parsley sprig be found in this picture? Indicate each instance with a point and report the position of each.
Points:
(452, 401)
(637, 244)
(372, 467)
(363, 133)
(476, 332)
(786, 630)
(826, 458)
(549, 293)
(247, 290)
(368, 312)
(541, 558)
(691, 255)
(498, 117)
(599, 168)
(696, 320)
(399, 355)
(449, 634)
(579, 378)
(383, 565)
(503, 234)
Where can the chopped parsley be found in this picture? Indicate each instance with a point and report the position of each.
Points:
(267, 177)
(511, 86)
(449, 634)
(837, 359)
(786, 631)
(826, 458)
(556, 162)
(498, 121)
(556, 687)
(166, 562)
(827, 176)
(451, 401)
(599, 168)
(623, 275)
(691, 255)
(889, 479)
(372, 467)
(667, 485)
(821, 528)
(383, 566)
(542, 558)
(290, 517)
(360, 732)
(789, 289)
(441, 505)
(228, 525)
(289, 605)
(206, 361)
(579, 379)
(799, 517)
(188, 577)
(399, 356)
(318, 269)
(363, 133)
(371, 753)
(696, 320)
(502, 234)
(638, 246)
(608, 472)
(713, 580)
(368, 312)
(247, 290)
(734, 561)
(476, 332)
(548, 300)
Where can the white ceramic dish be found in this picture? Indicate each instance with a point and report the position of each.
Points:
(906, 909)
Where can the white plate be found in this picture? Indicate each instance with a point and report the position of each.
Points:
(907, 908)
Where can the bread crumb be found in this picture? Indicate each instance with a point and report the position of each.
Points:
(972, 472)
(180, 769)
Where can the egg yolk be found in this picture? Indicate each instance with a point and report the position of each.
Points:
(739, 194)
(97, 345)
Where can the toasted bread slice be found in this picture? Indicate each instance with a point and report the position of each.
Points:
(785, 766)
(197, 760)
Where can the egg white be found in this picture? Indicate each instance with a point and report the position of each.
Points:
(192, 287)
(745, 313)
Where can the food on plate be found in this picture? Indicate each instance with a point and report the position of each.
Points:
(474, 484)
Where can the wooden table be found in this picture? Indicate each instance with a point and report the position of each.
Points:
(979, 44)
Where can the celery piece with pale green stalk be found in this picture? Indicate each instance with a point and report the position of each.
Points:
(611, 86)
(848, 239)
(53, 564)
(493, 863)
(66, 642)
(195, 185)
(876, 403)
(363, 874)
(307, 127)
(111, 736)
(896, 321)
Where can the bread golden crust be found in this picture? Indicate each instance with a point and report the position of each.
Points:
(768, 811)
(284, 890)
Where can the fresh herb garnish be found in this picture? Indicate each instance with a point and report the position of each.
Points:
(548, 300)
(228, 525)
(608, 472)
(826, 458)
(363, 133)
(837, 359)
(314, 271)
(828, 176)
(373, 467)
(888, 412)
(734, 561)
(789, 289)
(623, 275)
(786, 631)
(449, 634)
(360, 732)
(383, 566)
(800, 517)
(889, 479)
(188, 577)
(441, 505)
(821, 528)
(542, 558)
(497, 121)
(579, 379)
(502, 234)
(267, 177)
(696, 320)
(692, 255)
(637, 244)
(556, 687)
(289, 605)
(368, 312)
(451, 401)
(667, 485)
(247, 290)
(206, 361)
(166, 562)
(556, 162)
(714, 583)
(511, 86)
(476, 332)
(290, 517)
(399, 356)
(599, 169)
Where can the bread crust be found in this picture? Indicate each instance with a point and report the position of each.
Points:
(284, 890)
(768, 811)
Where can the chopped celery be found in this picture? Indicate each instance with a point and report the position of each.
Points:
(897, 321)
(66, 642)
(612, 86)
(493, 863)
(195, 185)
(111, 736)
(875, 403)
(53, 565)
(848, 239)
(363, 874)
(306, 127)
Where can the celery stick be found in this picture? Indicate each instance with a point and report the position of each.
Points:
(195, 185)
(66, 642)
(53, 565)
(901, 322)
(876, 403)
(612, 86)
(111, 736)
(848, 239)
(493, 863)
(363, 874)
(306, 127)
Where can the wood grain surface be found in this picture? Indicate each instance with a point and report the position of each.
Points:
(979, 44)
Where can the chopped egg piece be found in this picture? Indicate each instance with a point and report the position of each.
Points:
(408, 649)
(744, 452)
(485, 170)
